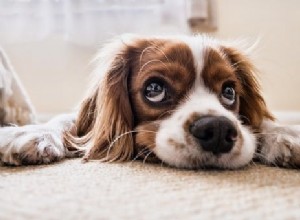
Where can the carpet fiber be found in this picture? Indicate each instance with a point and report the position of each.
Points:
(72, 190)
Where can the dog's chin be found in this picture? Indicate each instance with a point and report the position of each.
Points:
(205, 160)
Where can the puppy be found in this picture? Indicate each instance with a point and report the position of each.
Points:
(187, 101)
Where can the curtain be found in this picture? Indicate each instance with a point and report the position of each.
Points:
(87, 22)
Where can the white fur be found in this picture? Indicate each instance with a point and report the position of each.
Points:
(280, 145)
(35, 144)
(203, 102)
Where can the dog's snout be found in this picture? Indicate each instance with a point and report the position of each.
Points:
(216, 134)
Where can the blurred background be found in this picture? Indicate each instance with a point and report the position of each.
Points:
(51, 42)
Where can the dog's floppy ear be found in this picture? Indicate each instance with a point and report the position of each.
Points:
(253, 109)
(105, 118)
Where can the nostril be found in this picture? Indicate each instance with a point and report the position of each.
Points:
(231, 135)
(203, 129)
(206, 130)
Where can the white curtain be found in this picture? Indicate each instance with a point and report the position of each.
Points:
(88, 22)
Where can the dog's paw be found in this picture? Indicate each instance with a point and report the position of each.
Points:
(33, 144)
(280, 145)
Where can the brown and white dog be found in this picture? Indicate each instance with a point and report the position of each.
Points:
(186, 101)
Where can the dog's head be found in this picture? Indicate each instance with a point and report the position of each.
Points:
(188, 101)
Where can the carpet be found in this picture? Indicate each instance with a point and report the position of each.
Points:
(133, 190)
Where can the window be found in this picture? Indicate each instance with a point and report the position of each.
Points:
(88, 22)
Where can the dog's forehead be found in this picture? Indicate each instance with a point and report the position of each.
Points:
(203, 58)
(198, 49)
(210, 59)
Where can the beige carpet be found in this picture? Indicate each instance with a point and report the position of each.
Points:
(72, 190)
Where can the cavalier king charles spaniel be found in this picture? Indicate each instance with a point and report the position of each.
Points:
(185, 101)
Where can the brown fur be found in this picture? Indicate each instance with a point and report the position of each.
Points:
(145, 141)
(106, 125)
(115, 121)
(218, 71)
(105, 115)
(253, 108)
(170, 61)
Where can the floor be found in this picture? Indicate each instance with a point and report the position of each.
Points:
(72, 190)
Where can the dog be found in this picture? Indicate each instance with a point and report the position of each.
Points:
(185, 101)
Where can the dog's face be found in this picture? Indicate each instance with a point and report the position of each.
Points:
(188, 101)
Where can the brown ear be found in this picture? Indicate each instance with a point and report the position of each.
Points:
(253, 108)
(105, 117)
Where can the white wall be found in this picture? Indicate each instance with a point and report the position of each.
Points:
(55, 72)
(277, 22)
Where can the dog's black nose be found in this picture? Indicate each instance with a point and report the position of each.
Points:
(215, 134)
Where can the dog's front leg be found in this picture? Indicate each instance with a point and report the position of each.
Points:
(36, 144)
(279, 145)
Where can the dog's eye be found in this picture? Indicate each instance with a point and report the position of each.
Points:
(155, 92)
(228, 95)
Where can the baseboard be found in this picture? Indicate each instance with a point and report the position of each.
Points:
(289, 117)
(43, 117)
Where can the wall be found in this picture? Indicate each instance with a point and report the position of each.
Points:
(55, 72)
(277, 24)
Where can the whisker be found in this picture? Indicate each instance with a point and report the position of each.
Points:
(122, 135)
(166, 112)
(140, 154)
(147, 156)
(253, 163)
(148, 148)
(161, 163)
(267, 133)
(157, 48)
(236, 64)
(151, 61)
(142, 54)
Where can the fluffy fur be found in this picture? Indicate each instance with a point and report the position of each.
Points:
(117, 121)
(15, 105)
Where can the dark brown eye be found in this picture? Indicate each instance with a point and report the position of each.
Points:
(155, 92)
(228, 95)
